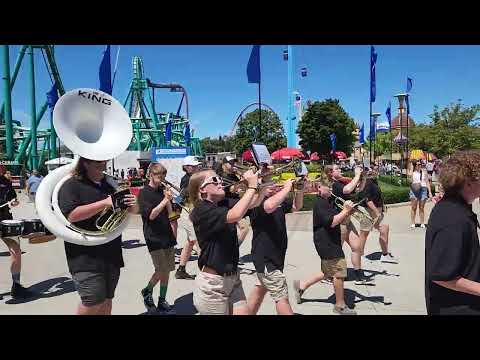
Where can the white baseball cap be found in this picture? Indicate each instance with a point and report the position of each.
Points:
(191, 160)
(229, 158)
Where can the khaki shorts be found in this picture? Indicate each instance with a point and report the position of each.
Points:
(366, 225)
(345, 228)
(185, 223)
(276, 284)
(215, 294)
(335, 268)
(163, 259)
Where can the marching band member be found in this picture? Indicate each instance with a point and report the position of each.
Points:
(327, 220)
(154, 204)
(452, 250)
(269, 246)
(7, 194)
(348, 231)
(218, 288)
(370, 190)
(190, 166)
(95, 269)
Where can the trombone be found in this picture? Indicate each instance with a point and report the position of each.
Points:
(360, 213)
(178, 198)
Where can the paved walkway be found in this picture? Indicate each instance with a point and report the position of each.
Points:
(398, 288)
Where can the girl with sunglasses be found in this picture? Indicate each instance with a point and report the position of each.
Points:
(218, 289)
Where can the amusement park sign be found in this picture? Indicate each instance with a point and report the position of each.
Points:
(169, 153)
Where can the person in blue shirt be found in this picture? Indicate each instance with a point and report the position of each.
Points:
(32, 185)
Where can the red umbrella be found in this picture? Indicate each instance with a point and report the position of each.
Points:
(314, 157)
(287, 154)
(247, 156)
(340, 155)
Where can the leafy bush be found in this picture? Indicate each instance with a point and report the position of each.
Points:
(394, 180)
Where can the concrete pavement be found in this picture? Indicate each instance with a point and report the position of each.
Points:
(398, 288)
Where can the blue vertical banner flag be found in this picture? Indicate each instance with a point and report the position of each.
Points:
(168, 132)
(409, 88)
(373, 85)
(333, 140)
(187, 136)
(105, 72)
(52, 97)
(253, 67)
(361, 139)
(389, 115)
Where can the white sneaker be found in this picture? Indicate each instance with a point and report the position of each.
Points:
(423, 226)
(412, 226)
(389, 258)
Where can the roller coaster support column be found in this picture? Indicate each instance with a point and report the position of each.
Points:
(33, 130)
(14, 76)
(8, 102)
(26, 142)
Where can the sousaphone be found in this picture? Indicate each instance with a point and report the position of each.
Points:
(94, 125)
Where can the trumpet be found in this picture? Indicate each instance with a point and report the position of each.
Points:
(270, 172)
(360, 213)
(178, 198)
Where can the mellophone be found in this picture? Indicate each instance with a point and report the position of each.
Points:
(31, 229)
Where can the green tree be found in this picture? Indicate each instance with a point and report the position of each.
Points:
(383, 145)
(216, 145)
(248, 132)
(322, 119)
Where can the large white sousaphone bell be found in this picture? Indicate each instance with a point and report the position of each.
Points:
(95, 126)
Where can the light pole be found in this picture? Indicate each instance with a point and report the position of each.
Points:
(374, 117)
(401, 108)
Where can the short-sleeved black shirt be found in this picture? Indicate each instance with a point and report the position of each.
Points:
(217, 239)
(327, 240)
(270, 241)
(372, 192)
(158, 232)
(7, 193)
(184, 182)
(452, 250)
(74, 193)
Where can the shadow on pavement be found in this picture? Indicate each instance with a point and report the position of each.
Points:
(374, 256)
(351, 298)
(7, 253)
(132, 244)
(246, 258)
(182, 306)
(46, 289)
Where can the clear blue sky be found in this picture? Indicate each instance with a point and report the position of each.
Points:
(215, 78)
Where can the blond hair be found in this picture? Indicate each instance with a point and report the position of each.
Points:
(194, 185)
(461, 167)
(156, 166)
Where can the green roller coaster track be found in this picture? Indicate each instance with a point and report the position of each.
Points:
(17, 147)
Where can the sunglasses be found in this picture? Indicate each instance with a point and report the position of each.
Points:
(211, 180)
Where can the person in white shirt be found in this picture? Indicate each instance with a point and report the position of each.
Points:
(420, 191)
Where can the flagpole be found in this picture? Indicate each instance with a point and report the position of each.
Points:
(259, 113)
(370, 123)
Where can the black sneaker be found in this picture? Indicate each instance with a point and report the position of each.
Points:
(182, 274)
(164, 307)
(148, 300)
(361, 279)
(19, 292)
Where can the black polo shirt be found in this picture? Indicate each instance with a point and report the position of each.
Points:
(372, 192)
(184, 182)
(451, 251)
(327, 240)
(77, 192)
(7, 193)
(269, 242)
(217, 239)
(158, 232)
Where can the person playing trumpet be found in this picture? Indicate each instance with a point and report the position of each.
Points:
(269, 245)
(348, 231)
(327, 220)
(95, 270)
(218, 289)
(155, 205)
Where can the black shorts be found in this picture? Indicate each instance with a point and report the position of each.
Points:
(96, 287)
